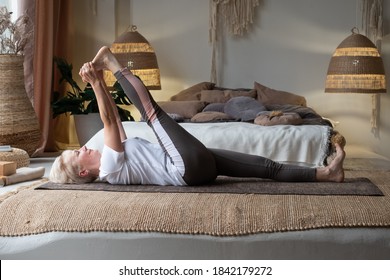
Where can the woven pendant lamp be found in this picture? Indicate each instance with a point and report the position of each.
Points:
(356, 67)
(134, 51)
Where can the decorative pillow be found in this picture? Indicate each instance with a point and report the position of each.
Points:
(210, 117)
(222, 96)
(215, 107)
(192, 93)
(186, 109)
(271, 96)
(243, 108)
(277, 118)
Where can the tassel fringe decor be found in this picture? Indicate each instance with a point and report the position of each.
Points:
(372, 25)
(236, 16)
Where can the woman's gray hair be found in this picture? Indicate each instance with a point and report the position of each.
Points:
(65, 171)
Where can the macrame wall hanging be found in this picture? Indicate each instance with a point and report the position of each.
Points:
(235, 16)
(372, 26)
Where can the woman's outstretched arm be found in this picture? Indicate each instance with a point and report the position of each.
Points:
(122, 132)
(108, 113)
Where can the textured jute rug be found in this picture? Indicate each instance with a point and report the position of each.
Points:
(32, 211)
(351, 186)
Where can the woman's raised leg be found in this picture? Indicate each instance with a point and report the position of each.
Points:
(194, 161)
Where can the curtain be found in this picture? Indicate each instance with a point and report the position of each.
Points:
(52, 34)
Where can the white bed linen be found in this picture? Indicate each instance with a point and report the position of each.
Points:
(303, 145)
(330, 243)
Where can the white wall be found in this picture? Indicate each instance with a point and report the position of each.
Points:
(289, 48)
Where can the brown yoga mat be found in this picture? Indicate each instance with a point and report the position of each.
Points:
(351, 186)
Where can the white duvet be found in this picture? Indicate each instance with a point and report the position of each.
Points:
(304, 145)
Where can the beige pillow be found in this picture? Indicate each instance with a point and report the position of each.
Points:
(192, 93)
(210, 117)
(222, 96)
(271, 96)
(186, 109)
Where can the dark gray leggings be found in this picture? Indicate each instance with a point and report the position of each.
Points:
(199, 164)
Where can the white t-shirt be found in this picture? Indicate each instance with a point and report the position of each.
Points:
(141, 163)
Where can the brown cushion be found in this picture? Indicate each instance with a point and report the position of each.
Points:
(222, 96)
(271, 96)
(186, 109)
(193, 92)
(278, 118)
(210, 117)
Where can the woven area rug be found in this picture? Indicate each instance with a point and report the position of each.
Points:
(351, 186)
(32, 211)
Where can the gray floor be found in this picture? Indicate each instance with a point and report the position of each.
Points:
(366, 164)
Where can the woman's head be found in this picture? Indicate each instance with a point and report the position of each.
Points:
(76, 166)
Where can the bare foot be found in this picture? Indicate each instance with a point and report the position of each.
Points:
(105, 60)
(334, 172)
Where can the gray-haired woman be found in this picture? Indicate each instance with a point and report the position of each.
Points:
(177, 159)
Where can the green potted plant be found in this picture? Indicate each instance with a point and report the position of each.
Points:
(82, 104)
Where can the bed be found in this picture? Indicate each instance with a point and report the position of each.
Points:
(241, 120)
(98, 225)
(260, 121)
(348, 238)
(310, 148)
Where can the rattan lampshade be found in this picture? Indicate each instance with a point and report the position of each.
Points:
(134, 51)
(356, 66)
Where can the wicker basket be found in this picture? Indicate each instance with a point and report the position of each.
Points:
(18, 122)
(16, 155)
